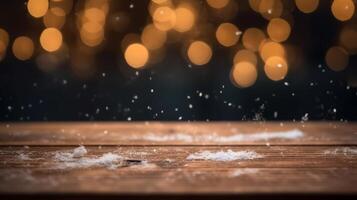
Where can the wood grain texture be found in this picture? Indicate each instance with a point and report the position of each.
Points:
(141, 133)
(323, 161)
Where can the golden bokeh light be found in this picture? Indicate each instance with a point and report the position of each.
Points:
(278, 30)
(152, 37)
(92, 34)
(129, 39)
(244, 74)
(343, 10)
(218, 4)
(307, 6)
(61, 7)
(245, 55)
(269, 48)
(270, 9)
(164, 18)
(4, 37)
(199, 53)
(252, 38)
(51, 39)
(94, 15)
(254, 4)
(37, 8)
(337, 58)
(136, 55)
(185, 19)
(53, 20)
(2, 50)
(159, 1)
(348, 39)
(23, 48)
(227, 34)
(276, 68)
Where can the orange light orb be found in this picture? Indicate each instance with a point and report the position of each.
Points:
(276, 68)
(227, 34)
(343, 10)
(199, 53)
(252, 38)
(270, 9)
(337, 58)
(136, 55)
(185, 19)
(23, 48)
(244, 74)
(270, 48)
(218, 4)
(307, 6)
(348, 39)
(51, 39)
(37, 8)
(164, 18)
(152, 37)
(278, 30)
(52, 20)
(245, 55)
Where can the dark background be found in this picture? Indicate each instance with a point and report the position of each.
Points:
(166, 90)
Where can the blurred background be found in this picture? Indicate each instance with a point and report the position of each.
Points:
(188, 60)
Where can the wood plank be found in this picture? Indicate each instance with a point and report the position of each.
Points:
(281, 169)
(178, 133)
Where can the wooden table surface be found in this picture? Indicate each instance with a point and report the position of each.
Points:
(295, 159)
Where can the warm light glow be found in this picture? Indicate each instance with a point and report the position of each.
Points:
(51, 39)
(252, 38)
(23, 48)
(92, 34)
(152, 37)
(164, 18)
(343, 10)
(159, 1)
(245, 55)
(52, 20)
(270, 48)
(227, 34)
(2, 50)
(4, 37)
(278, 30)
(218, 3)
(254, 5)
(307, 6)
(336, 58)
(244, 74)
(94, 15)
(185, 19)
(136, 55)
(348, 39)
(37, 8)
(276, 68)
(270, 9)
(199, 53)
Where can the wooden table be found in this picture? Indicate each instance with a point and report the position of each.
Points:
(296, 160)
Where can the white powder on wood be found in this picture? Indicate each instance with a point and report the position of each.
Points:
(79, 152)
(76, 159)
(243, 171)
(228, 155)
(345, 150)
(291, 134)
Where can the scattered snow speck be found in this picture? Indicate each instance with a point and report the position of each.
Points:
(228, 155)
